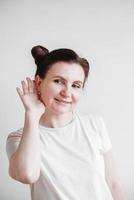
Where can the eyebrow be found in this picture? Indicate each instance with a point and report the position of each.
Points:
(78, 81)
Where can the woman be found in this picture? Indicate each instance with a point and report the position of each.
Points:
(61, 153)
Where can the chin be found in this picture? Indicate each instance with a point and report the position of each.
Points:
(61, 111)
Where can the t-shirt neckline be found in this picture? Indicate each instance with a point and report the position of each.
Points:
(59, 128)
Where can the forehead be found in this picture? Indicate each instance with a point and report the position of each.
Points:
(69, 71)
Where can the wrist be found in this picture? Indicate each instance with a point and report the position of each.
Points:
(32, 115)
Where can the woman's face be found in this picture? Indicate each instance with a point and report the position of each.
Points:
(62, 87)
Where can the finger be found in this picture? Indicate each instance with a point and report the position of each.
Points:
(30, 85)
(20, 93)
(24, 87)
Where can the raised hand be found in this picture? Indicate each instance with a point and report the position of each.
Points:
(30, 98)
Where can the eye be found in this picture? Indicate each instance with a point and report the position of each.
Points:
(57, 81)
(76, 86)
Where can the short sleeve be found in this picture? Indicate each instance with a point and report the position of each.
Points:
(12, 142)
(104, 135)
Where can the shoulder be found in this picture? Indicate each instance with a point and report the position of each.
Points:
(95, 119)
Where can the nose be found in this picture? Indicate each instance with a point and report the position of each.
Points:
(66, 92)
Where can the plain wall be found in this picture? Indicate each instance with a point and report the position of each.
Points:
(103, 32)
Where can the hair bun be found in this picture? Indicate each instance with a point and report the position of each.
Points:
(38, 52)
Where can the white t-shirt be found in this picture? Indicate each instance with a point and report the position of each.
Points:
(72, 165)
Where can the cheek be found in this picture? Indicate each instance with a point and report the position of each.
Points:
(77, 96)
(47, 93)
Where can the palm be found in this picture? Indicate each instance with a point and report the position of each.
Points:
(30, 98)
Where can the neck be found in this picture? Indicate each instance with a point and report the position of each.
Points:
(52, 120)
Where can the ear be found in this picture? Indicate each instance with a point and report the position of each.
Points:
(38, 81)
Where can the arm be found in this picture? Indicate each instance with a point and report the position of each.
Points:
(112, 178)
(24, 164)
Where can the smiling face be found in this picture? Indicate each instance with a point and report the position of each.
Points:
(62, 87)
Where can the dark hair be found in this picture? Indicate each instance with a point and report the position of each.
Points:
(44, 59)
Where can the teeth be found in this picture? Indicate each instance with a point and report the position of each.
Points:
(62, 101)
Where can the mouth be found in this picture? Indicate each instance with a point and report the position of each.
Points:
(61, 101)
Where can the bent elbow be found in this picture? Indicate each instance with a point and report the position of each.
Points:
(25, 178)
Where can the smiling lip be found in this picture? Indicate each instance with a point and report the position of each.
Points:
(62, 101)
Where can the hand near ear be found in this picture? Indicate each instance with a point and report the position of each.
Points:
(31, 98)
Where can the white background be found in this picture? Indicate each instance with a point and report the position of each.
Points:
(103, 32)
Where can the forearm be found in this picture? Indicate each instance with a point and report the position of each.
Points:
(25, 163)
(117, 191)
